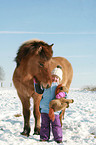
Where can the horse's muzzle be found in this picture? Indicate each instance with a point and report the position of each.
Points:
(46, 86)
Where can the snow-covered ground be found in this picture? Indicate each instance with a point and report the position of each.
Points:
(79, 125)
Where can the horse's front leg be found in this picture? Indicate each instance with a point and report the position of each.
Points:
(36, 113)
(26, 115)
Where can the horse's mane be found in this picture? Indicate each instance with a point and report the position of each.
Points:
(32, 46)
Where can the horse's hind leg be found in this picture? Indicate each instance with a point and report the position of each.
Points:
(68, 83)
(26, 114)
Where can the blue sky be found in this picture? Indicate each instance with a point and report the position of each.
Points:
(69, 24)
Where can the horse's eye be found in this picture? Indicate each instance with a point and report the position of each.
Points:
(41, 64)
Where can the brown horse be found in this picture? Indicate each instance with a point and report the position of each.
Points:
(34, 60)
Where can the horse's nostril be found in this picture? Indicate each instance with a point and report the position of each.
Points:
(48, 86)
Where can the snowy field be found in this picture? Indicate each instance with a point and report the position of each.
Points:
(79, 125)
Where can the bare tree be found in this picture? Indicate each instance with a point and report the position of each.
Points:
(1, 74)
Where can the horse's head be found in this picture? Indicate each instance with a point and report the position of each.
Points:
(37, 54)
(42, 73)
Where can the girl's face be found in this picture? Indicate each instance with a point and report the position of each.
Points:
(55, 78)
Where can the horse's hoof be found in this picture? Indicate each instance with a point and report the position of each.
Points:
(25, 133)
(36, 132)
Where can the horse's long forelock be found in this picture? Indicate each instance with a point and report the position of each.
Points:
(31, 47)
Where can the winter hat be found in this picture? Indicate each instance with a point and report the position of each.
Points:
(58, 72)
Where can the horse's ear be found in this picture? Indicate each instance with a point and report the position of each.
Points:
(52, 44)
(40, 49)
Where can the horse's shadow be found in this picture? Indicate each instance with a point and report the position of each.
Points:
(16, 133)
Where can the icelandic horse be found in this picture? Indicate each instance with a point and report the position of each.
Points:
(34, 60)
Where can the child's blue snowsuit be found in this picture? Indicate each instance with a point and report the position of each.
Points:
(48, 95)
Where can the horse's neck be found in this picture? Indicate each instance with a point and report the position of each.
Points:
(53, 63)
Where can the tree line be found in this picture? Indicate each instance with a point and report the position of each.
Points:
(2, 74)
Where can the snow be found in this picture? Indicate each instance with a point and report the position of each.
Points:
(79, 125)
